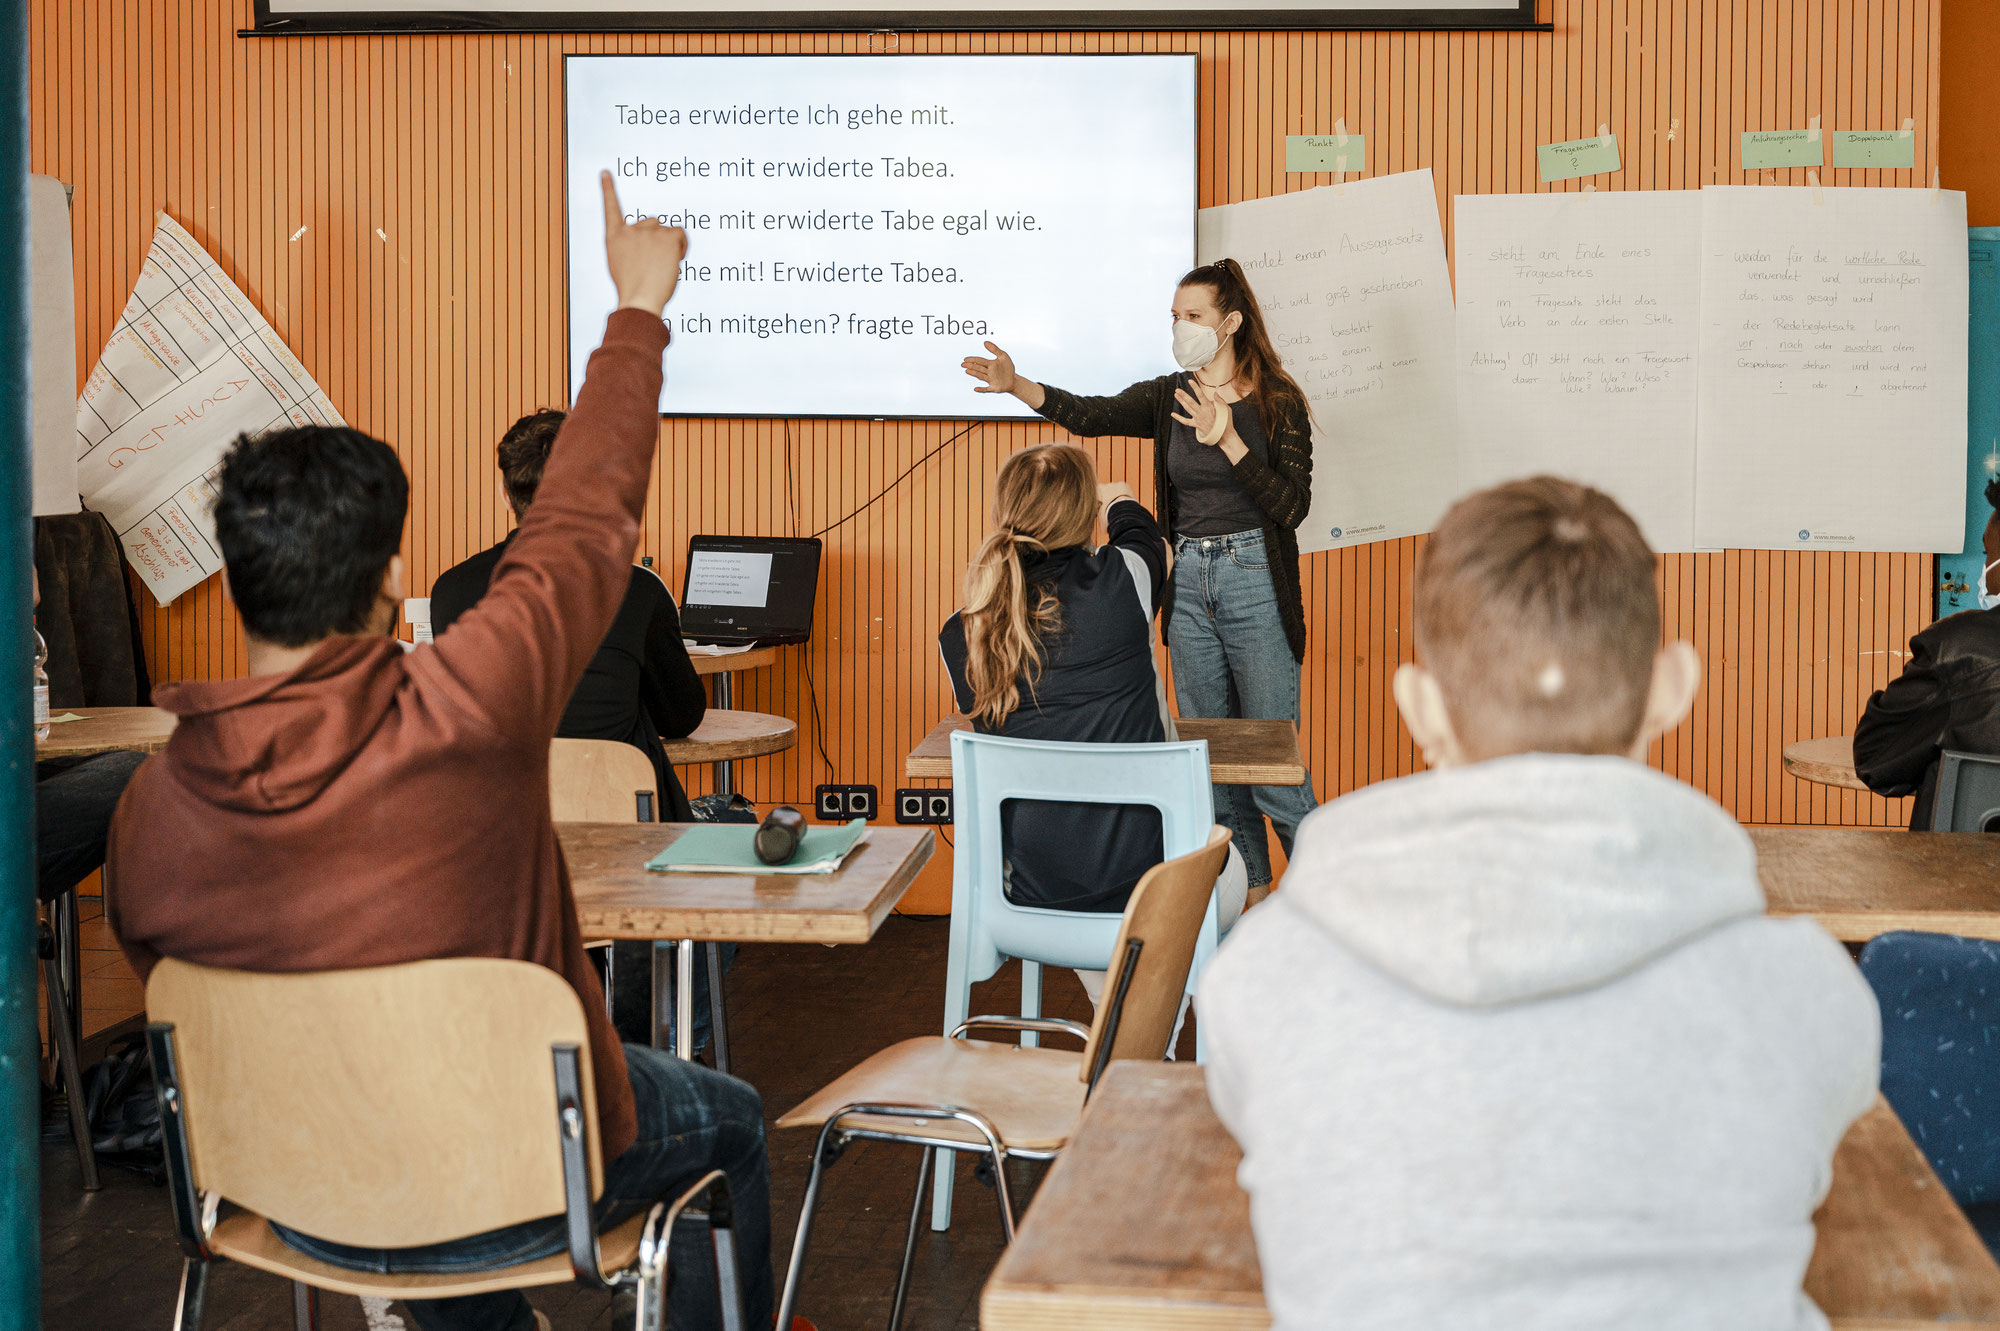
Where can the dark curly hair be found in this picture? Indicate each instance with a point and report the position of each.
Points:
(524, 451)
(1993, 493)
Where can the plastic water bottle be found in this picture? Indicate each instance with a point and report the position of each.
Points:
(41, 688)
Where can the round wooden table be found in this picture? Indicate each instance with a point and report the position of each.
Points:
(1829, 761)
(724, 736)
(106, 730)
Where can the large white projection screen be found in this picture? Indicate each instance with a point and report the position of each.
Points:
(857, 225)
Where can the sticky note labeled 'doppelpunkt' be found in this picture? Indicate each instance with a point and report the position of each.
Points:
(1579, 157)
(1325, 152)
(1874, 147)
(1771, 148)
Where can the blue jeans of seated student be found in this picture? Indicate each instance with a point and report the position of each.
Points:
(691, 1120)
(1230, 658)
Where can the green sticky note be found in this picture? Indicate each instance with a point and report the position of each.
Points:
(1767, 148)
(1325, 152)
(1874, 147)
(1579, 157)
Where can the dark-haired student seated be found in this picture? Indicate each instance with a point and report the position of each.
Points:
(1947, 697)
(1516, 1044)
(353, 805)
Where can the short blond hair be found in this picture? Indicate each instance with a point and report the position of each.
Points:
(1537, 613)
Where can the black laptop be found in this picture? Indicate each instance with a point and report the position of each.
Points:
(738, 590)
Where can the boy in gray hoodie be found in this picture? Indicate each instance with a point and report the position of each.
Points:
(1516, 1045)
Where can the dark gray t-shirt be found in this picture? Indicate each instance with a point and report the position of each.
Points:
(1208, 499)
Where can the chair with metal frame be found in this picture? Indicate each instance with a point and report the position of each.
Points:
(597, 781)
(58, 949)
(1968, 793)
(458, 1104)
(949, 1093)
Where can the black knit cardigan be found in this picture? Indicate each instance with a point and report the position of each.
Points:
(1278, 478)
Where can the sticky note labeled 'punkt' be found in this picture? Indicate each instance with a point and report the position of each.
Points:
(1874, 147)
(1579, 157)
(1765, 149)
(1325, 152)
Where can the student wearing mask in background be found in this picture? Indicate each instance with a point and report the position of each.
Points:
(1232, 468)
(1948, 696)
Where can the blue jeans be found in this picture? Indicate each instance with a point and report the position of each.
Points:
(1230, 658)
(691, 1120)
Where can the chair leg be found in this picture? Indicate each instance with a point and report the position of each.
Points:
(1001, 1195)
(67, 917)
(305, 1307)
(728, 1288)
(1031, 999)
(718, 1015)
(910, 1238)
(789, 1300)
(60, 1022)
(194, 1284)
(957, 1006)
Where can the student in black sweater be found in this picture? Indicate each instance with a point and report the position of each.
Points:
(1232, 475)
(1055, 643)
(640, 686)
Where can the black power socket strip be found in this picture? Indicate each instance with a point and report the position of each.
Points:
(840, 803)
(923, 806)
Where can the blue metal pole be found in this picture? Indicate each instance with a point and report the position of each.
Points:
(20, 1044)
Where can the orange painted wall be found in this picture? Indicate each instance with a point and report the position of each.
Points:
(426, 295)
(1969, 106)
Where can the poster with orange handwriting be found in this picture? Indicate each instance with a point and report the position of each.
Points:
(190, 366)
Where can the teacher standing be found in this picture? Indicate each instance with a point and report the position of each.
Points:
(1232, 469)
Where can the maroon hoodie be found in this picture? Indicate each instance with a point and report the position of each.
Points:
(375, 807)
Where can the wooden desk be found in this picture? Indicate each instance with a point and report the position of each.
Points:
(1863, 881)
(618, 897)
(723, 697)
(725, 666)
(1829, 761)
(1140, 1224)
(1240, 753)
(106, 730)
(723, 735)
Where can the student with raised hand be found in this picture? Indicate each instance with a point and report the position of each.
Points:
(1517, 1045)
(1055, 643)
(1232, 478)
(349, 805)
(1948, 696)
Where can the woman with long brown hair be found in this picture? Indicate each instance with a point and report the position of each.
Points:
(1232, 469)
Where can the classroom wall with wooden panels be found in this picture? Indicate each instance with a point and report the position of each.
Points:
(393, 205)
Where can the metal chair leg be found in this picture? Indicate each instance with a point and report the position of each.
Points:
(1001, 1195)
(305, 1307)
(910, 1238)
(788, 1301)
(718, 1015)
(194, 1284)
(60, 1022)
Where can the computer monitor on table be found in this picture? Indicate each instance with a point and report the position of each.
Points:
(749, 590)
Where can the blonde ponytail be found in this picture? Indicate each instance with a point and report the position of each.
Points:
(1044, 498)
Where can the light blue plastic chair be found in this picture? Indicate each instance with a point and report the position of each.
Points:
(986, 928)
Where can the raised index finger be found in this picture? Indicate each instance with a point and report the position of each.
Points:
(614, 216)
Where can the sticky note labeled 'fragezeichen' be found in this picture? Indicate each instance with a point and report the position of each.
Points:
(1325, 152)
(1579, 157)
(1771, 148)
(1874, 147)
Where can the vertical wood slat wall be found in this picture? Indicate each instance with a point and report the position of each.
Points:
(426, 294)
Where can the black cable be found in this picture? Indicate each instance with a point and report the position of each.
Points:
(885, 489)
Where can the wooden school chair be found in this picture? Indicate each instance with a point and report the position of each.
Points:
(395, 1107)
(949, 1093)
(605, 781)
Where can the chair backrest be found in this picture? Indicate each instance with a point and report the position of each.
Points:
(1940, 996)
(1968, 793)
(989, 770)
(1151, 958)
(388, 1107)
(601, 781)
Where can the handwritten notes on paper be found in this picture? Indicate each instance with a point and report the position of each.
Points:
(190, 366)
(1578, 157)
(1357, 299)
(1578, 323)
(1833, 369)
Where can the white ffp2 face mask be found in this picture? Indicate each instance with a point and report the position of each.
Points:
(1195, 345)
(1987, 600)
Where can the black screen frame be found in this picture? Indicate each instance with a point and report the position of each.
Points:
(808, 547)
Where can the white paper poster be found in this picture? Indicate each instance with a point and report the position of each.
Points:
(52, 345)
(191, 366)
(1578, 327)
(1833, 369)
(1356, 295)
